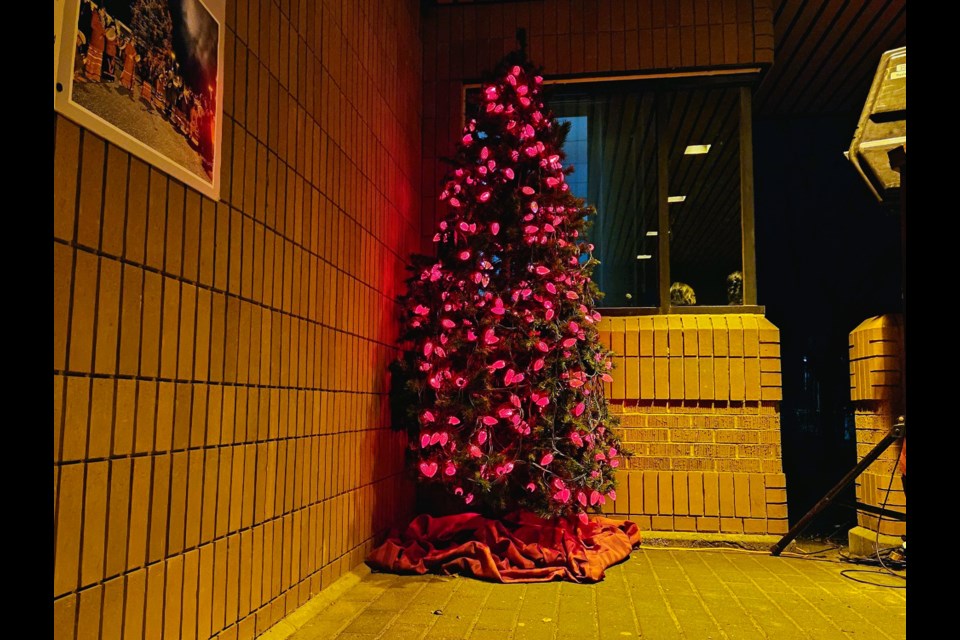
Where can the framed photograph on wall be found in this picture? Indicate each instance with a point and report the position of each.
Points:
(147, 75)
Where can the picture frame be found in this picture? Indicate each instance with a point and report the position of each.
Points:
(146, 75)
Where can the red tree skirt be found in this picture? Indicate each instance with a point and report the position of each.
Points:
(521, 547)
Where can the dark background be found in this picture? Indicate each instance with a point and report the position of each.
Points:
(828, 257)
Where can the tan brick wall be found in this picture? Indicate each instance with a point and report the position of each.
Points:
(876, 369)
(570, 37)
(697, 397)
(222, 448)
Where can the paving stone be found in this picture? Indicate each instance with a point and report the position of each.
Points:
(403, 632)
(509, 601)
(486, 634)
(451, 626)
(660, 629)
(526, 631)
(503, 623)
(743, 632)
(393, 599)
(364, 593)
(416, 617)
(655, 595)
(370, 622)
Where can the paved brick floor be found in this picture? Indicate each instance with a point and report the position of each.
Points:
(658, 594)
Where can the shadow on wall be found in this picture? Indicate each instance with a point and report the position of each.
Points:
(828, 256)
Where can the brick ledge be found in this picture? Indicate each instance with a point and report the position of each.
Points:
(753, 542)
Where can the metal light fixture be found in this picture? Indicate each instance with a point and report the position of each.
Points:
(882, 126)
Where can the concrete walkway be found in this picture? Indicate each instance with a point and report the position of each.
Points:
(660, 593)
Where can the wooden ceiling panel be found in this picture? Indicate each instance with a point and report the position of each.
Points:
(826, 53)
(851, 95)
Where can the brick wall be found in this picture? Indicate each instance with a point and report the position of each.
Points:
(570, 37)
(876, 369)
(222, 448)
(698, 399)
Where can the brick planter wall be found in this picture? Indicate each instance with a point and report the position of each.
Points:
(698, 397)
(876, 348)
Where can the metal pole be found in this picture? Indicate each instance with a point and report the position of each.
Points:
(896, 432)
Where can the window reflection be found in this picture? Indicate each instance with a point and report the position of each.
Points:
(614, 164)
(618, 133)
(701, 138)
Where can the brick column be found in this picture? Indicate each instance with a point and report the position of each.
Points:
(698, 397)
(876, 351)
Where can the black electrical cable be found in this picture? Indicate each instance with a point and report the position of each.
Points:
(872, 561)
(876, 584)
(880, 553)
(886, 496)
(814, 553)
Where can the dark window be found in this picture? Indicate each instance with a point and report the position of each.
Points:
(664, 154)
(702, 144)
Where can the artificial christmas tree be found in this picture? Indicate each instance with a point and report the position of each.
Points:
(502, 376)
(505, 361)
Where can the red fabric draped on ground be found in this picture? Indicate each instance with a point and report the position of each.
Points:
(520, 547)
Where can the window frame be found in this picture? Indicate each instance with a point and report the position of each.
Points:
(745, 78)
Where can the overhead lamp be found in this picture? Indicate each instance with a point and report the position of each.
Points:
(696, 149)
(644, 256)
(651, 234)
(882, 127)
(672, 199)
